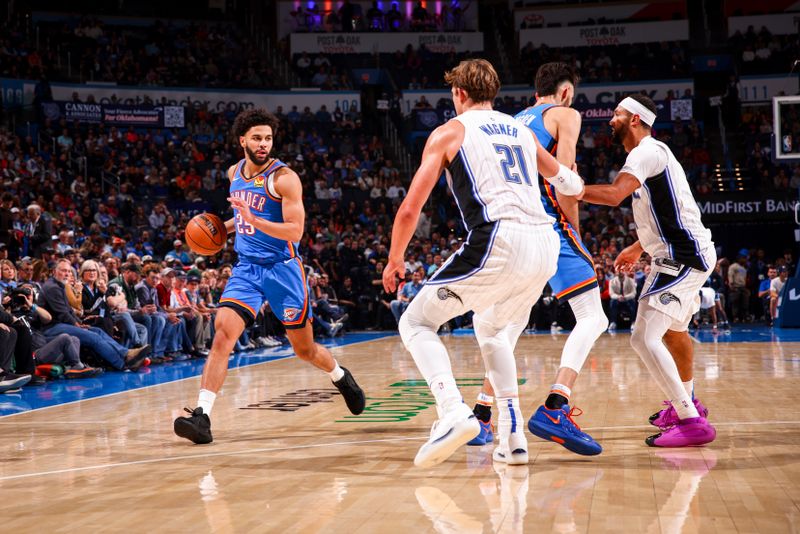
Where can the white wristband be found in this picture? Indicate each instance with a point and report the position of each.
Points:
(567, 182)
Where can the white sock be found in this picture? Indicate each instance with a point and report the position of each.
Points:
(689, 387)
(486, 400)
(206, 401)
(336, 373)
(561, 389)
(509, 419)
(444, 389)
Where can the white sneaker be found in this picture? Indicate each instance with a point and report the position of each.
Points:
(456, 428)
(335, 327)
(612, 327)
(512, 451)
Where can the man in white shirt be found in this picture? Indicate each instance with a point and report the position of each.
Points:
(670, 230)
(775, 289)
(622, 291)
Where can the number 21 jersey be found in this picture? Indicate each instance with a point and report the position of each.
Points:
(494, 175)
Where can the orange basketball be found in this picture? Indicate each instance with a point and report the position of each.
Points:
(206, 234)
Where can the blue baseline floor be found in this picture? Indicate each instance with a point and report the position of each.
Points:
(63, 391)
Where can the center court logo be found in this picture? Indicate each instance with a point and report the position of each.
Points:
(291, 402)
(405, 400)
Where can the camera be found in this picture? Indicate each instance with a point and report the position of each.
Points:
(19, 296)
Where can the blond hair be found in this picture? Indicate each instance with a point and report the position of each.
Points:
(476, 77)
(88, 264)
(10, 264)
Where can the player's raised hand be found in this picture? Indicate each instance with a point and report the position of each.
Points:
(393, 268)
(243, 208)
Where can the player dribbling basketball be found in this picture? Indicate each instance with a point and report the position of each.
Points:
(267, 200)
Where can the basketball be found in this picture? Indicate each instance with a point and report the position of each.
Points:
(206, 234)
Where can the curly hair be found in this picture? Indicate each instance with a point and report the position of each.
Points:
(254, 117)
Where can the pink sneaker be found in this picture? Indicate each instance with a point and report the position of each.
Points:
(668, 416)
(690, 432)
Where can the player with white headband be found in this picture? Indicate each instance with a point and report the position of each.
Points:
(670, 231)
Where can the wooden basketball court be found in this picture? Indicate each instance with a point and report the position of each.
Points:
(287, 457)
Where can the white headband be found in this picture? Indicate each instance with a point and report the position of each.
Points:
(645, 115)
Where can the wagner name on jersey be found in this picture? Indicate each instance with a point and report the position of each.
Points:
(667, 217)
(494, 175)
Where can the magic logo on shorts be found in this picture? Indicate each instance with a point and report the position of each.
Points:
(445, 293)
(290, 314)
(666, 298)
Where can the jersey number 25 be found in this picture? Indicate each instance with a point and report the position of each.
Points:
(243, 227)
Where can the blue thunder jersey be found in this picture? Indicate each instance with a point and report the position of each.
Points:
(533, 117)
(252, 245)
(575, 273)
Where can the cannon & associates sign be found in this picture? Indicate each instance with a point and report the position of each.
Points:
(141, 116)
(747, 208)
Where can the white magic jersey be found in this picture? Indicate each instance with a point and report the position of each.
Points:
(667, 217)
(494, 175)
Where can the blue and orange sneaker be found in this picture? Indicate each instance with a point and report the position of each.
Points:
(558, 426)
(486, 435)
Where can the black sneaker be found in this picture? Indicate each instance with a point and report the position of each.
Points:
(135, 357)
(353, 395)
(196, 427)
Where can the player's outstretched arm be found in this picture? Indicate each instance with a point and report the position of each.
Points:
(441, 145)
(612, 195)
(288, 186)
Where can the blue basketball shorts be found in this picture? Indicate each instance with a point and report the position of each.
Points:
(282, 284)
(575, 272)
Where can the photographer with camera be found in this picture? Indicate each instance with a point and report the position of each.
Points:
(9, 381)
(34, 349)
(15, 340)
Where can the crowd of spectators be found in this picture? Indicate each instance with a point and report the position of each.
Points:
(409, 68)
(351, 17)
(760, 52)
(163, 54)
(641, 61)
